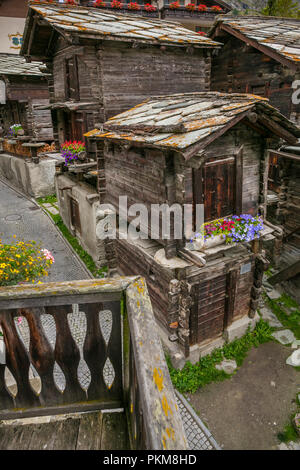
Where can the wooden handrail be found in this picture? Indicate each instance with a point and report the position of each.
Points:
(290, 234)
(156, 414)
(140, 380)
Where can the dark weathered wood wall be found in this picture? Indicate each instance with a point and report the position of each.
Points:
(114, 76)
(284, 178)
(131, 74)
(137, 173)
(221, 294)
(25, 96)
(240, 68)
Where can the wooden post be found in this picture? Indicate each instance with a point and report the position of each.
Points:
(173, 308)
(185, 303)
(261, 265)
(34, 155)
(230, 296)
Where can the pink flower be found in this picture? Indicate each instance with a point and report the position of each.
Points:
(48, 255)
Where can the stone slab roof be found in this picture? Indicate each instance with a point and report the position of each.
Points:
(180, 121)
(13, 64)
(92, 21)
(279, 36)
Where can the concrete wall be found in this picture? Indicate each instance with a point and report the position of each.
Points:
(66, 188)
(36, 180)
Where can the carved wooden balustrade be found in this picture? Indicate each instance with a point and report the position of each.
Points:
(88, 345)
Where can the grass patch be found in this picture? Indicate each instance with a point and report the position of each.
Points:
(192, 377)
(47, 199)
(84, 256)
(269, 272)
(292, 321)
(288, 434)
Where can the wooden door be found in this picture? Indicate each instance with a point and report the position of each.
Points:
(215, 187)
(208, 310)
(75, 215)
(74, 125)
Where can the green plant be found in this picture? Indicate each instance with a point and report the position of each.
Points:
(47, 199)
(282, 8)
(192, 377)
(279, 307)
(13, 130)
(23, 262)
(71, 150)
(288, 434)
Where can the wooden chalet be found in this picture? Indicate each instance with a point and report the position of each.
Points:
(102, 63)
(196, 148)
(261, 56)
(23, 95)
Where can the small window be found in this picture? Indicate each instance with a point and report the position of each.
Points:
(72, 85)
(259, 90)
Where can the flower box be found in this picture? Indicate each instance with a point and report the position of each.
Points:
(231, 230)
(182, 12)
(125, 10)
(72, 151)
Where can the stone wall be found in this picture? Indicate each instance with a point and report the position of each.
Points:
(87, 200)
(36, 180)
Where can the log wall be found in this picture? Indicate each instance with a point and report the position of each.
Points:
(239, 68)
(149, 70)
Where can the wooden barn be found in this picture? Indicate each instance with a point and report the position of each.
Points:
(261, 56)
(102, 63)
(196, 148)
(23, 95)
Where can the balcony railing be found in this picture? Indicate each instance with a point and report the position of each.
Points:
(183, 12)
(125, 10)
(119, 352)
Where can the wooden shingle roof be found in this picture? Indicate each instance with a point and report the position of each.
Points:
(13, 64)
(181, 121)
(92, 22)
(277, 37)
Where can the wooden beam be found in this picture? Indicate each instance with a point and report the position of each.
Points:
(239, 181)
(286, 155)
(260, 130)
(266, 50)
(192, 149)
(32, 32)
(285, 274)
(277, 129)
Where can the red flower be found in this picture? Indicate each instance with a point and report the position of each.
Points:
(174, 5)
(99, 3)
(190, 6)
(149, 7)
(133, 6)
(216, 8)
